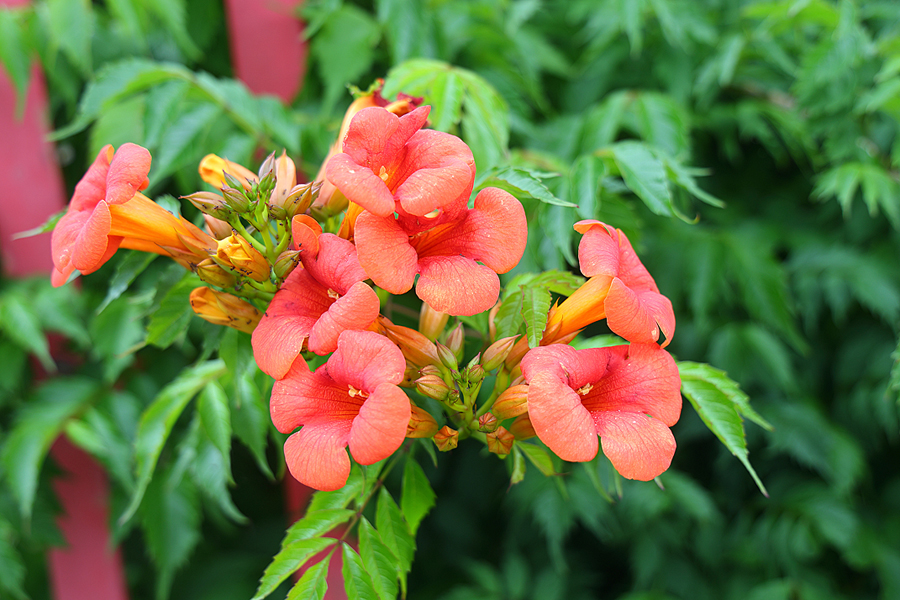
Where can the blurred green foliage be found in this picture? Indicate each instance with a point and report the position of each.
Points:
(749, 149)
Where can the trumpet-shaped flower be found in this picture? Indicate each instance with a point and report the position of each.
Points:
(389, 162)
(393, 251)
(619, 289)
(108, 212)
(316, 303)
(352, 400)
(627, 395)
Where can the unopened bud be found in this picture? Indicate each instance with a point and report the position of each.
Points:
(224, 309)
(285, 180)
(511, 403)
(500, 442)
(522, 428)
(300, 198)
(267, 167)
(217, 227)
(430, 370)
(492, 317)
(497, 352)
(446, 439)
(488, 423)
(209, 203)
(432, 386)
(421, 423)
(210, 272)
(236, 253)
(455, 341)
(417, 349)
(213, 169)
(454, 401)
(235, 199)
(447, 357)
(475, 373)
(518, 352)
(285, 263)
(432, 322)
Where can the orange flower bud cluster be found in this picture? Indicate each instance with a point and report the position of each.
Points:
(239, 255)
(224, 309)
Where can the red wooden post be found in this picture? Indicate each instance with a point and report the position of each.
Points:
(89, 568)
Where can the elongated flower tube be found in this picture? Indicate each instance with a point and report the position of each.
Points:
(108, 212)
(389, 162)
(619, 289)
(316, 303)
(352, 400)
(446, 256)
(628, 395)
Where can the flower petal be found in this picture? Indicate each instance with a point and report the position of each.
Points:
(316, 456)
(92, 187)
(89, 251)
(385, 253)
(360, 185)
(438, 169)
(559, 419)
(337, 265)
(638, 316)
(457, 285)
(365, 360)
(357, 309)
(381, 425)
(306, 398)
(598, 251)
(127, 173)
(639, 447)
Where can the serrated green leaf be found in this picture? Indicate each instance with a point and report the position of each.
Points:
(379, 561)
(288, 560)
(215, 418)
(357, 582)
(645, 175)
(211, 473)
(343, 49)
(445, 96)
(721, 404)
(173, 15)
(417, 497)
(535, 309)
(250, 420)
(162, 104)
(584, 185)
(120, 123)
(394, 530)
(12, 570)
(313, 584)
(72, 27)
(15, 54)
(539, 457)
(169, 322)
(338, 498)
(157, 421)
(60, 309)
(37, 424)
(316, 523)
(21, 323)
(179, 141)
(132, 265)
(509, 315)
(523, 183)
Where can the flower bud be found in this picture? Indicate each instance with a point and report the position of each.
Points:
(492, 316)
(285, 263)
(432, 322)
(511, 403)
(300, 198)
(417, 349)
(522, 428)
(454, 401)
(213, 168)
(236, 253)
(488, 423)
(432, 386)
(421, 423)
(497, 352)
(224, 309)
(447, 357)
(218, 228)
(446, 439)
(285, 180)
(235, 199)
(500, 442)
(209, 203)
(268, 165)
(518, 352)
(430, 370)
(455, 341)
(210, 272)
(475, 373)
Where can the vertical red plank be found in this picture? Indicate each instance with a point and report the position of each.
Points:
(267, 50)
(90, 568)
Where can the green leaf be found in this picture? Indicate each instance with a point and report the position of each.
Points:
(338, 498)
(12, 571)
(157, 421)
(250, 420)
(169, 322)
(215, 418)
(60, 309)
(539, 457)
(288, 560)
(721, 405)
(316, 523)
(72, 27)
(163, 103)
(173, 15)
(37, 425)
(20, 321)
(378, 560)
(15, 54)
(394, 531)
(522, 183)
(120, 123)
(237, 352)
(645, 175)
(518, 466)
(179, 141)
(132, 265)
(535, 308)
(417, 497)
(584, 185)
(509, 315)
(344, 48)
(313, 584)
(357, 582)
(446, 96)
